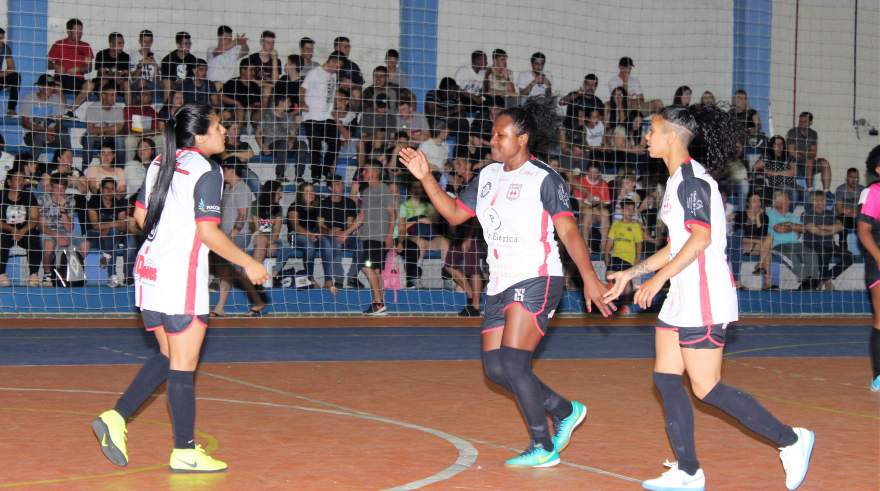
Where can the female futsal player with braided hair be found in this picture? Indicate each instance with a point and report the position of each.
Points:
(179, 210)
(700, 303)
(520, 202)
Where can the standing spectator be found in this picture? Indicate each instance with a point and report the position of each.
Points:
(317, 94)
(303, 216)
(413, 123)
(435, 148)
(104, 122)
(59, 227)
(624, 78)
(499, 79)
(349, 73)
(623, 249)
(141, 121)
(470, 79)
(751, 226)
(743, 113)
(306, 52)
(136, 169)
(71, 58)
(145, 69)
(592, 192)
(223, 59)
(114, 64)
(41, 114)
(289, 83)
(19, 215)
(198, 89)
(105, 169)
(108, 224)
(336, 222)
(177, 65)
(376, 221)
(243, 95)
(820, 227)
(9, 78)
(276, 136)
(774, 172)
(535, 82)
(396, 77)
(583, 99)
(802, 147)
(846, 203)
(267, 66)
(785, 228)
(682, 96)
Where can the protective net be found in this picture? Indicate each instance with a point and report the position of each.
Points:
(318, 98)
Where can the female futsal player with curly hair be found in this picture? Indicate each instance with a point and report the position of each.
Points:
(701, 301)
(520, 202)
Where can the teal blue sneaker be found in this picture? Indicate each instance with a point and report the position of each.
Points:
(565, 427)
(875, 385)
(535, 456)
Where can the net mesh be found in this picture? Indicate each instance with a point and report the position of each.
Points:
(410, 69)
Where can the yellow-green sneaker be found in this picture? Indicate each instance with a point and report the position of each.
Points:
(194, 460)
(109, 429)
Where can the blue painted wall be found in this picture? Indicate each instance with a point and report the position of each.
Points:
(752, 24)
(418, 45)
(27, 34)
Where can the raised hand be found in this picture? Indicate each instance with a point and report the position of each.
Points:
(415, 161)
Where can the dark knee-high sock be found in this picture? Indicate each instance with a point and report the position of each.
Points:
(679, 420)
(182, 402)
(553, 403)
(875, 351)
(147, 380)
(517, 365)
(751, 414)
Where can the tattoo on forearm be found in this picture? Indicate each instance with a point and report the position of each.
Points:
(640, 269)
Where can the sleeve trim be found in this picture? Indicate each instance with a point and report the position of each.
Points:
(562, 214)
(208, 219)
(140, 205)
(701, 223)
(465, 207)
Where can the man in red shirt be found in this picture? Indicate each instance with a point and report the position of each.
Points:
(594, 197)
(71, 58)
(141, 122)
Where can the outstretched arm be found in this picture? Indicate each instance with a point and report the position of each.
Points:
(417, 164)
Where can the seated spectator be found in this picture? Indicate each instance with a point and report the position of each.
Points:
(653, 229)
(625, 190)
(417, 233)
(435, 148)
(743, 113)
(113, 65)
(345, 117)
(243, 95)
(317, 96)
(594, 129)
(104, 121)
(478, 151)
(71, 58)
(106, 168)
(107, 228)
(632, 88)
(374, 130)
(583, 99)
(617, 111)
(146, 70)
(19, 216)
(136, 169)
(41, 118)
(141, 121)
(59, 225)
(62, 167)
(774, 172)
(707, 99)
(462, 174)
(336, 222)
(289, 83)
(594, 199)
(236, 148)
(175, 102)
(499, 79)
(177, 65)
(223, 59)
(820, 227)
(574, 160)
(623, 249)
(349, 73)
(267, 65)
(276, 136)
(9, 78)
(463, 265)
(682, 96)
(846, 203)
(445, 103)
(198, 89)
(785, 228)
(802, 149)
(536, 81)
(266, 217)
(751, 226)
(735, 181)
(380, 87)
(413, 123)
(7, 160)
(306, 52)
(471, 78)
(396, 77)
(302, 227)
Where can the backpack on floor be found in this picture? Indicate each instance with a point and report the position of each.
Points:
(69, 270)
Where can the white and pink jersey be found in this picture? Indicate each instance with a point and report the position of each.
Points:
(703, 293)
(171, 271)
(517, 210)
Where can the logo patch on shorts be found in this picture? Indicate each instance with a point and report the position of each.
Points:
(514, 191)
(519, 294)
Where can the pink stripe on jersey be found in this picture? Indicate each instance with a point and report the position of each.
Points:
(465, 207)
(871, 206)
(545, 219)
(705, 302)
(208, 219)
(688, 223)
(140, 205)
(563, 214)
(190, 302)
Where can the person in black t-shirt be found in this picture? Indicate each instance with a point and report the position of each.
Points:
(302, 228)
(107, 220)
(114, 64)
(267, 65)
(177, 65)
(19, 216)
(820, 227)
(242, 94)
(337, 224)
(582, 99)
(290, 82)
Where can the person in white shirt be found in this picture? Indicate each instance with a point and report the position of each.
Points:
(317, 95)
(223, 59)
(435, 148)
(702, 299)
(625, 79)
(521, 203)
(535, 82)
(470, 79)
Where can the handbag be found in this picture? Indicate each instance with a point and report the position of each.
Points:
(69, 270)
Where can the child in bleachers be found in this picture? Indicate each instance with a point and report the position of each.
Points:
(623, 249)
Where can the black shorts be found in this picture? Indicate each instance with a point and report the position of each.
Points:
(618, 264)
(872, 274)
(701, 337)
(372, 254)
(539, 296)
(172, 324)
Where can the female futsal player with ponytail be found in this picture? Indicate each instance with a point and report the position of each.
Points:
(520, 202)
(869, 235)
(700, 303)
(178, 209)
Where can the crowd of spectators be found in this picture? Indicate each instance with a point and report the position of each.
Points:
(305, 115)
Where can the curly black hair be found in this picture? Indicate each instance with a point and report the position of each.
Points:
(871, 164)
(715, 133)
(538, 119)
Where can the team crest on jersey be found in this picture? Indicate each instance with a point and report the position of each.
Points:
(485, 189)
(514, 191)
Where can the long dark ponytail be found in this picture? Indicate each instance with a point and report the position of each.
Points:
(180, 131)
(538, 119)
(715, 133)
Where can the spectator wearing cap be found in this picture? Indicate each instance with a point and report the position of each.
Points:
(243, 95)
(9, 78)
(41, 113)
(630, 83)
(105, 124)
(177, 65)
(317, 96)
(584, 99)
(141, 121)
(198, 89)
(71, 58)
(114, 64)
(223, 59)
(535, 82)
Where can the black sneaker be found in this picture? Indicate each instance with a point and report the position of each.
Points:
(353, 283)
(376, 308)
(469, 311)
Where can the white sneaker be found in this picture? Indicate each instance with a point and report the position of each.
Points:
(114, 281)
(796, 457)
(676, 479)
